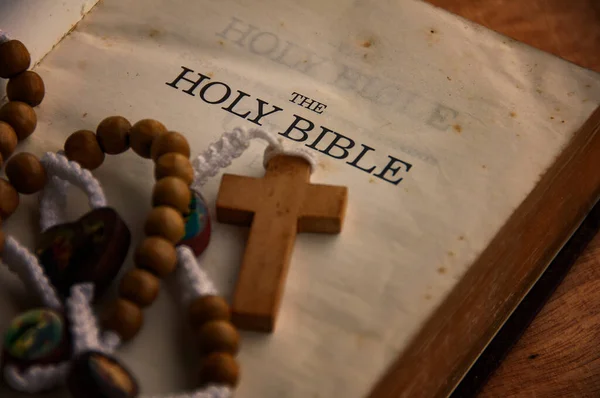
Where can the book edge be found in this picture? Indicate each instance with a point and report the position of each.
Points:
(459, 330)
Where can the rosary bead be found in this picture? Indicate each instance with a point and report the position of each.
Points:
(8, 140)
(113, 134)
(123, 317)
(168, 143)
(93, 374)
(21, 118)
(156, 255)
(140, 287)
(197, 225)
(218, 336)
(9, 199)
(219, 368)
(27, 87)
(208, 308)
(91, 249)
(166, 222)
(36, 337)
(14, 58)
(143, 133)
(174, 192)
(26, 173)
(174, 165)
(83, 148)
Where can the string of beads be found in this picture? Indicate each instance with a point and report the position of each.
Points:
(157, 255)
(25, 90)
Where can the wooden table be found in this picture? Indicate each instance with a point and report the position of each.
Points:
(559, 353)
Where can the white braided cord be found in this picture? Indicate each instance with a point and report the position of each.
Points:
(84, 326)
(64, 172)
(27, 267)
(36, 378)
(53, 202)
(84, 335)
(192, 279)
(232, 145)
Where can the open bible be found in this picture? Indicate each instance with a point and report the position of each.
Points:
(469, 160)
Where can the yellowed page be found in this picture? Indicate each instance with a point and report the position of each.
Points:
(438, 127)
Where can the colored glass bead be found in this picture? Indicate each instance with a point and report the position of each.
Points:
(36, 337)
(91, 249)
(34, 334)
(197, 225)
(96, 375)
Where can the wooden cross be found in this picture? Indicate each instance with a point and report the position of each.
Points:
(276, 207)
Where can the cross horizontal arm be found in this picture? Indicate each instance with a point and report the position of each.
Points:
(323, 209)
(237, 199)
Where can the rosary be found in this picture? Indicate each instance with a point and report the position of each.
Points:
(61, 341)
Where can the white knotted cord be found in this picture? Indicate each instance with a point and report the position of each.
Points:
(111, 341)
(62, 172)
(53, 202)
(36, 378)
(27, 267)
(193, 280)
(232, 144)
(84, 326)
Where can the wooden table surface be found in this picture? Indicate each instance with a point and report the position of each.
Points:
(559, 353)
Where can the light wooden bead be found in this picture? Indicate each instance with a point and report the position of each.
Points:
(174, 165)
(170, 142)
(156, 255)
(143, 133)
(173, 192)
(166, 222)
(82, 147)
(208, 308)
(218, 336)
(140, 287)
(219, 368)
(9, 199)
(20, 116)
(8, 140)
(27, 87)
(113, 135)
(14, 58)
(26, 173)
(123, 317)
